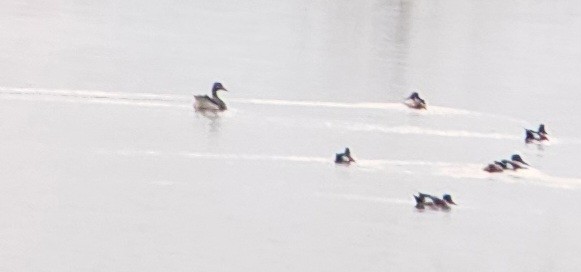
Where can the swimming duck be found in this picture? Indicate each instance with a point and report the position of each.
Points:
(516, 162)
(541, 132)
(435, 202)
(204, 102)
(415, 102)
(344, 157)
(530, 136)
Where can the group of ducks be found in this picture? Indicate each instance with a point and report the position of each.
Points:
(516, 162)
(422, 200)
(214, 103)
(435, 203)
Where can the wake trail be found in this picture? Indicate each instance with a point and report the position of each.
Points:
(185, 102)
(144, 98)
(457, 170)
(260, 157)
(419, 131)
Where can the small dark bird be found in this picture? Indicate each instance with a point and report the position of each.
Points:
(542, 133)
(344, 157)
(415, 102)
(530, 136)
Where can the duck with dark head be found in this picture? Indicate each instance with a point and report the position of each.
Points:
(517, 162)
(538, 136)
(345, 157)
(214, 103)
(423, 200)
(542, 133)
(415, 102)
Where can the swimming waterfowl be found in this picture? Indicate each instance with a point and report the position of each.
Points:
(344, 157)
(530, 136)
(434, 202)
(415, 102)
(517, 162)
(541, 133)
(204, 102)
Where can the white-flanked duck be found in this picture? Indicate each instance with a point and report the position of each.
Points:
(345, 157)
(434, 202)
(204, 102)
(516, 162)
(540, 135)
(415, 102)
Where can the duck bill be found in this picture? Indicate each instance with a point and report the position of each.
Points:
(351, 159)
(451, 202)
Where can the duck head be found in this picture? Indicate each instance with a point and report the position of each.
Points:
(414, 95)
(348, 154)
(517, 158)
(542, 129)
(217, 87)
(448, 198)
(529, 136)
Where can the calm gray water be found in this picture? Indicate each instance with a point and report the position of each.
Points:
(106, 167)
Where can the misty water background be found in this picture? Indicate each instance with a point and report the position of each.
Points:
(106, 167)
